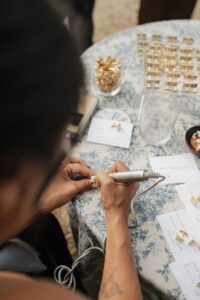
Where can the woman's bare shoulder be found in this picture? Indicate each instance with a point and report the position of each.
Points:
(19, 287)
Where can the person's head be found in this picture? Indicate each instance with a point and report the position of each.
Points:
(40, 79)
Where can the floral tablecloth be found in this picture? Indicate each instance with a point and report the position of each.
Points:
(150, 249)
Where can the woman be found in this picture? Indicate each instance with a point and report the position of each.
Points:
(41, 76)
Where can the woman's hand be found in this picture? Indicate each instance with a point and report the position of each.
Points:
(62, 188)
(116, 196)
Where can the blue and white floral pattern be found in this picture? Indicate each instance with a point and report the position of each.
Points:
(150, 250)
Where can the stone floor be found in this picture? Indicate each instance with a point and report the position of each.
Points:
(112, 15)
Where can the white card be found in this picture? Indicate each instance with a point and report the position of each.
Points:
(187, 274)
(106, 132)
(177, 168)
(171, 224)
(186, 192)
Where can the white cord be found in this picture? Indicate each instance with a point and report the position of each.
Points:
(162, 178)
(64, 275)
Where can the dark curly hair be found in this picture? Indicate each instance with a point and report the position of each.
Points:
(40, 78)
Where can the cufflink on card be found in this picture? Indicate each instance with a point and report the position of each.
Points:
(182, 236)
(185, 58)
(116, 125)
(190, 87)
(174, 75)
(171, 85)
(190, 76)
(156, 37)
(188, 40)
(172, 39)
(187, 51)
(152, 83)
(171, 49)
(196, 201)
(141, 36)
(185, 239)
(195, 244)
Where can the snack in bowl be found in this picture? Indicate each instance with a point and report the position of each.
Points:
(192, 138)
(195, 141)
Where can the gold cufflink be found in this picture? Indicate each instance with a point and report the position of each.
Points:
(156, 37)
(172, 39)
(140, 52)
(153, 56)
(93, 179)
(116, 126)
(182, 236)
(171, 85)
(186, 66)
(152, 83)
(142, 45)
(171, 48)
(170, 66)
(153, 73)
(188, 40)
(153, 62)
(195, 201)
(186, 50)
(153, 65)
(194, 243)
(170, 56)
(174, 75)
(141, 36)
(190, 76)
(190, 87)
(186, 58)
(156, 47)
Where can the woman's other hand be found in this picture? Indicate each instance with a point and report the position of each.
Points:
(62, 188)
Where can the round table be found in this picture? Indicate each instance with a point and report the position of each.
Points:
(151, 252)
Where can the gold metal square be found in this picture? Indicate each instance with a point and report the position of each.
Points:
(171, 48)
(188, 40)
(142, 44)
(156, 47)
(153, 73)
(189, 87)
(152, 83)
(186, 58)
(156, 37)
(171, 85)
(141, 36)
(172, 39)
(186, 50)
(190, 76)
(174, 74)
(180, 239)
(186, 66)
